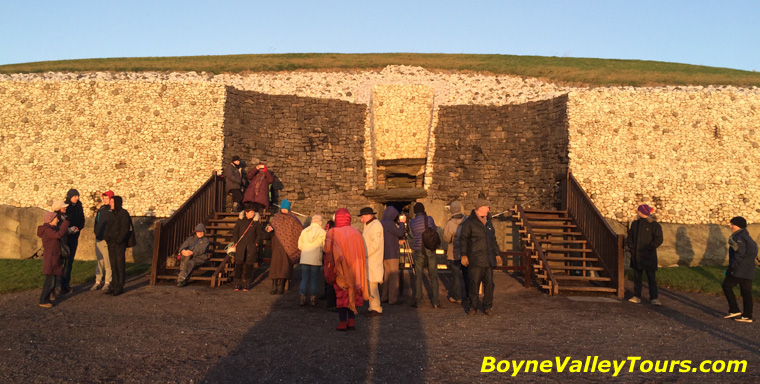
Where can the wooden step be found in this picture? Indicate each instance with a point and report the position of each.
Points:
(552, 232)
(577, 278)
(220, 227)
(565, 258)
(585, 288)
(547, 218)
(543, 211)
(565, 250)
(551, 225)
(562, 241)
(572, 268)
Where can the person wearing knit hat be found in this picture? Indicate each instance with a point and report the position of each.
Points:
(103, 273)
(310, 242)
(742, 252)
(75, 216)
(644, 236)
(346, 268)
(284, 229)
(423, 256)
(452, 253)
(193, 253)
(52, 235)
(479, 252)
(233, 183)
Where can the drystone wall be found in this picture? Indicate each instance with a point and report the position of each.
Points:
(401, 118)
(693, 153)
(152, 142)
(509, 153)
(314, 146)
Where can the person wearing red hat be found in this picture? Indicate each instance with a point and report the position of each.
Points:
(644, 236)
(346, 268)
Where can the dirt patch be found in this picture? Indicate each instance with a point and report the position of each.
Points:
(198, 334)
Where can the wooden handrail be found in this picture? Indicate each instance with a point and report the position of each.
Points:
(538, 248)
(605, 243)
(170, 232)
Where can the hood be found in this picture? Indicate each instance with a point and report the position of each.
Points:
(41, 229)
(342, 218)
(117, 203)
(390, 214)
(71, 193)
(313, 232)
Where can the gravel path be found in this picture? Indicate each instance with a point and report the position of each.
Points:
(165, 334)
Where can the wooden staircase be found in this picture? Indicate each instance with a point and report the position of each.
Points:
(562, 258)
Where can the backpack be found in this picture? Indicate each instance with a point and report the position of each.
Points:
(430, 238)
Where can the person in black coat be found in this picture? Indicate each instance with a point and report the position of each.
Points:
(247, 236)
(233, 179)
(480, 253)
(742, 252)
(116, 236)
(75, 216)
(644, 236)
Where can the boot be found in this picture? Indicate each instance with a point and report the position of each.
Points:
(274, 286)
(281, 286)
(302, 300)
(313, 300)
(350, 324)
(342, 326)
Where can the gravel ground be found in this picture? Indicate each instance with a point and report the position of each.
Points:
(164, 334)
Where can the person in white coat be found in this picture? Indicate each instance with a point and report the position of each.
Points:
(310, 242)
(374, 240)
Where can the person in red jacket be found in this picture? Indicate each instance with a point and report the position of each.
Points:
(346, 268)
(52, 260)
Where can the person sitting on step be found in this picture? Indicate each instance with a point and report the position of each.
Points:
(194, 253)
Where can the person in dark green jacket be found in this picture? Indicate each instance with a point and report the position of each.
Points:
(742, 252)
(644, 236)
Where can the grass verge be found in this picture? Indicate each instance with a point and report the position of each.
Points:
(566, 70)
(695, 279)
(22, 275)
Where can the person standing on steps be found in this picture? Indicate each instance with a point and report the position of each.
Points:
(742, 252)
(103, 266)
(284, 229)
(644, 236)
(257, 192)
(233, 180)
(373, 239)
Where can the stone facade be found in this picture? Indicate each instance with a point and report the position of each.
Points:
(315, 146)
(401, 118)
(692, 153)
(508, 153)
(152, 142)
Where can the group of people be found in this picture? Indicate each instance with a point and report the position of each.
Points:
(645, 236)
(257, 187)
(60, 233)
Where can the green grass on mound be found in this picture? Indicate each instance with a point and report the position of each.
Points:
(696, 279)
(577, 71)
(22, 275)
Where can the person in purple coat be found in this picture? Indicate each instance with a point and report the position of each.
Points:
(52, 260)
(394, 228)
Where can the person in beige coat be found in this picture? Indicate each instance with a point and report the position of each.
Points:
(374, 240)
(310, 242)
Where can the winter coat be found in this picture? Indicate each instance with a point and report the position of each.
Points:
(644, 236)
(52, 262)
(74, 213)
(741, 261)
(102, 217)
(417, 225)
(287, 230)
(449, 232)
(199, 246)
(310, 242)
(373, 239)
(248, 246)
(478, 242)
(233, 179)
(117, 231)
(258, 189)
(392, 233)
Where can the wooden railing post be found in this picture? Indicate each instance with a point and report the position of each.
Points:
(156, 245)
